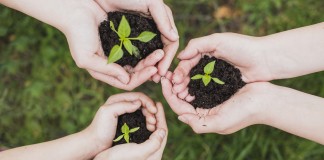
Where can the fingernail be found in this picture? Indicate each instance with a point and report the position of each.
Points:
(182, 119)
(162, 133)
(122, 79)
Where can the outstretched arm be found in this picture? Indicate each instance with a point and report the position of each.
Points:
(256, 103)
(78, 146)
(295, 52)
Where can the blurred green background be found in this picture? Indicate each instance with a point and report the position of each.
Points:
(44, 96)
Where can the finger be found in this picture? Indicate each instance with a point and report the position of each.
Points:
(190, 98)
(183, 69)
(156, 78)
(153, 143)
(146, 101)
(177, 105)
(168, 75)
(121, 108)
(150, 118)
(160, 117)
(198, 45)
(151, 60)
(161, 18)
(182, 86)
(183, 94)
(99, 64)
(170, 48)
(137, 78)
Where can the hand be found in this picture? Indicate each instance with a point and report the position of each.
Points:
(245, 108)
(162, 16)
(103, 133)
(241, 51)
(150, 149)
(81, 31)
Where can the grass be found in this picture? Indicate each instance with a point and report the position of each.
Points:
(43, 95)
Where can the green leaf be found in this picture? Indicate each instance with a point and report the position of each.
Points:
(218, 81)
(118, 138)
(112, 26)
(136, 52)
(125, 129)
(146, 36)
(209, 68)
(129, 46)
(115, 54)
(134, 130)
(206, 79)
(126, 137)
(124, 28)
(198, 76)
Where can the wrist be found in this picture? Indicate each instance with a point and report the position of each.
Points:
(93, 146)
(277, 61)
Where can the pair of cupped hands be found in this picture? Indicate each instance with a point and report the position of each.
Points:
(244, 52)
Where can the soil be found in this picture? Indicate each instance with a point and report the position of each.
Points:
(133, 120)
(138, 24)
(214, 94)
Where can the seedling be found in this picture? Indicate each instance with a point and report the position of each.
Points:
(126, 131)
(208, 69)
(123, 33)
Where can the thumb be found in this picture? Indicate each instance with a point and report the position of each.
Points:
(153, 144)
(198, 45)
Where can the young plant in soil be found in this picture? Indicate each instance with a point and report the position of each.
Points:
(208, 69)
(123, 33)
(136, 35)
(226, 82)
(126, 131)
(138, 132)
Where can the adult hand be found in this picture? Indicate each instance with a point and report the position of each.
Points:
(241, 51)
(103, 133)
(242, 110)
(162, 16)
(150, 149)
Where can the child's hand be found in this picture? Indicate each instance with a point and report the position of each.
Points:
(151, 149)
(103, 127)
(162, 16)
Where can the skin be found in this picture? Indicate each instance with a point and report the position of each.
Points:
(74, 17)
(96, 139)
(260, 59)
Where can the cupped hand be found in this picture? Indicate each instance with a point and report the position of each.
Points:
(81, 30)
(244, 52)
(150, 149)
(103, 127)
(162, 15)
(245, 108)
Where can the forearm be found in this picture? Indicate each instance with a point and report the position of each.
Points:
(52, 12)
(74, 147)
(296, 112)
(295, 52)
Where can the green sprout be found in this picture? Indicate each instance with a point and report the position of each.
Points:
(126, 131)
(208, 69)
(123, 33)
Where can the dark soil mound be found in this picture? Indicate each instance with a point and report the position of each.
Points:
(214, 94)
(138, 24)
(133, 120)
